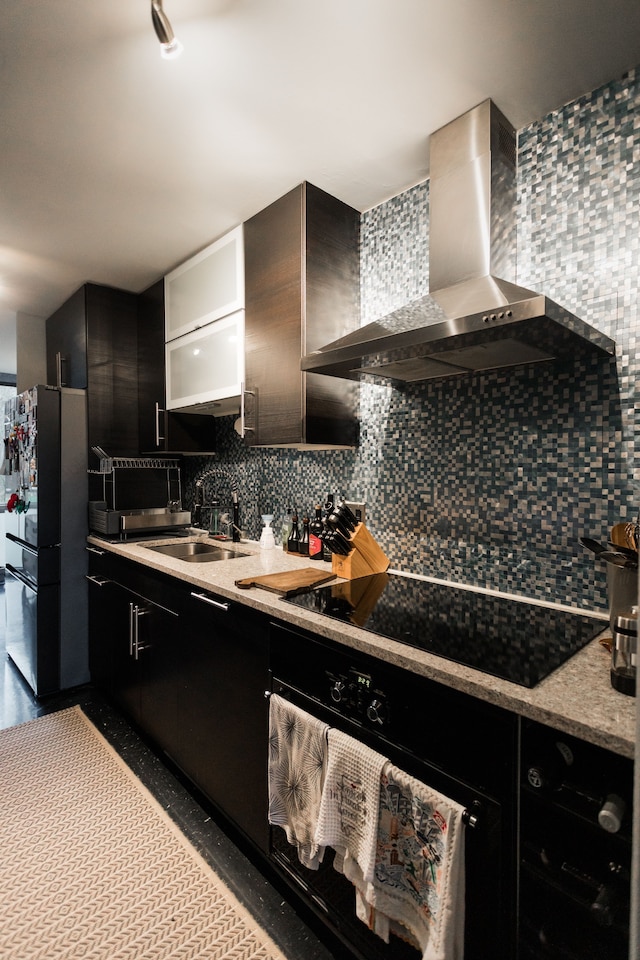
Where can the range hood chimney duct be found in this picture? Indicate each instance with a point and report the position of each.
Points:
(476, 317)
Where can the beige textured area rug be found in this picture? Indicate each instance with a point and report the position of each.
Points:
(92, 868)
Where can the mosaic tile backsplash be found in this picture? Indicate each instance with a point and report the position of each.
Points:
(491, 479)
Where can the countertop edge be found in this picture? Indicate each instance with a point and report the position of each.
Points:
(576, 699)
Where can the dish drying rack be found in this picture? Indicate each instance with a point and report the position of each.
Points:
(108, 468)
(106, 517)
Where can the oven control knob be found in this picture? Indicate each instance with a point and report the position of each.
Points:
(377, 711)
(337, 690)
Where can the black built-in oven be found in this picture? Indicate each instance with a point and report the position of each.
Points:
(459, 746)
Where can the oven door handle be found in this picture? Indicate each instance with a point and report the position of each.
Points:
(471, 816)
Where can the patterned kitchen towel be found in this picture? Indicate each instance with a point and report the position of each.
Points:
(349, 806)
(418, 879)
(297, 765)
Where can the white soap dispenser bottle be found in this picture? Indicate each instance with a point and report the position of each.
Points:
(267, 539)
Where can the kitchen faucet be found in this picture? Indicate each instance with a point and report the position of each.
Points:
(200, 505)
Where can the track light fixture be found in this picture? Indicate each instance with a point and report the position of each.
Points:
(170, 45)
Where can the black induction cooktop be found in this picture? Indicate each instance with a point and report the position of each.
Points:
(516, 640)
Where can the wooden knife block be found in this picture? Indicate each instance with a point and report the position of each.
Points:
(366, 557)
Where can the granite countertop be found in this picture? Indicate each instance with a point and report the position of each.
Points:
(577, 698)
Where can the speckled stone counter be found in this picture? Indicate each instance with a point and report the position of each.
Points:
(577, 698)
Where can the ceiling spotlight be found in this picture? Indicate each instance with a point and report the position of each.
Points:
(170, 45)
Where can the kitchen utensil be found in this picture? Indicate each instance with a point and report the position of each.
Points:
(335, 523)
(619, 559)
(624, 652)
(288, 583)
(343, 543)
(593, 545)
(347, 516)
(619, 535)
(337, 543)
(628, 552)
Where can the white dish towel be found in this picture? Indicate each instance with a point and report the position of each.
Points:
(418, 880)
(297, 765)
(349, 807)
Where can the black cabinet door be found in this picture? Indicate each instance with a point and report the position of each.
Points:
(159, 430)
(301, 287)
(66, 333)
(126, 678)
(155, 648)
(135, 657)
(101, 625)
(191, 669)
(112, 369)
(223, 711)
(112, 664)
(92, 344)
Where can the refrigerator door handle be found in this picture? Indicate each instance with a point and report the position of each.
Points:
(21, 577)
(22, 543)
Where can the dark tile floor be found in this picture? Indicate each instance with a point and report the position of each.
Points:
(291, 929)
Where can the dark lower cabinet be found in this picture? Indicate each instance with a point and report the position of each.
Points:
(223, 710)
(134, 648)
(190, 669)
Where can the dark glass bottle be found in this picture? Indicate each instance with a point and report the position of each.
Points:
(303, 543)
(316, 528)
(294, 535)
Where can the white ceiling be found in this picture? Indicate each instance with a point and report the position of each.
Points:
(116, 165)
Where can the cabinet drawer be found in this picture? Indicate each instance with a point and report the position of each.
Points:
(206, 287)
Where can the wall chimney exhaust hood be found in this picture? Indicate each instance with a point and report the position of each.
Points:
(473, 318)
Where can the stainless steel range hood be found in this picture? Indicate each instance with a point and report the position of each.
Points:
(475, 317)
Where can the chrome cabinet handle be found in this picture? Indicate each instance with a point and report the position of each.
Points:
(99, 581)
(137, 646)
(244, 426)
(131, 628)
(159, 437)
(60, 359)
(99, 553)
(214, 603)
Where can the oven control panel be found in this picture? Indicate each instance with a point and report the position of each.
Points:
(354, 694)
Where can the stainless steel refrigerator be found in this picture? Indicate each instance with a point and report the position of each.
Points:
(46, 528)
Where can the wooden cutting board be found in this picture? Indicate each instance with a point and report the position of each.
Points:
(288, 583)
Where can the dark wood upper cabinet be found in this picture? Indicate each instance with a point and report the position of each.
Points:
(92, 342)
(161, 431)
(301, 292)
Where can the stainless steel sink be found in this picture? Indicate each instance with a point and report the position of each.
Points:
(196, 551)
